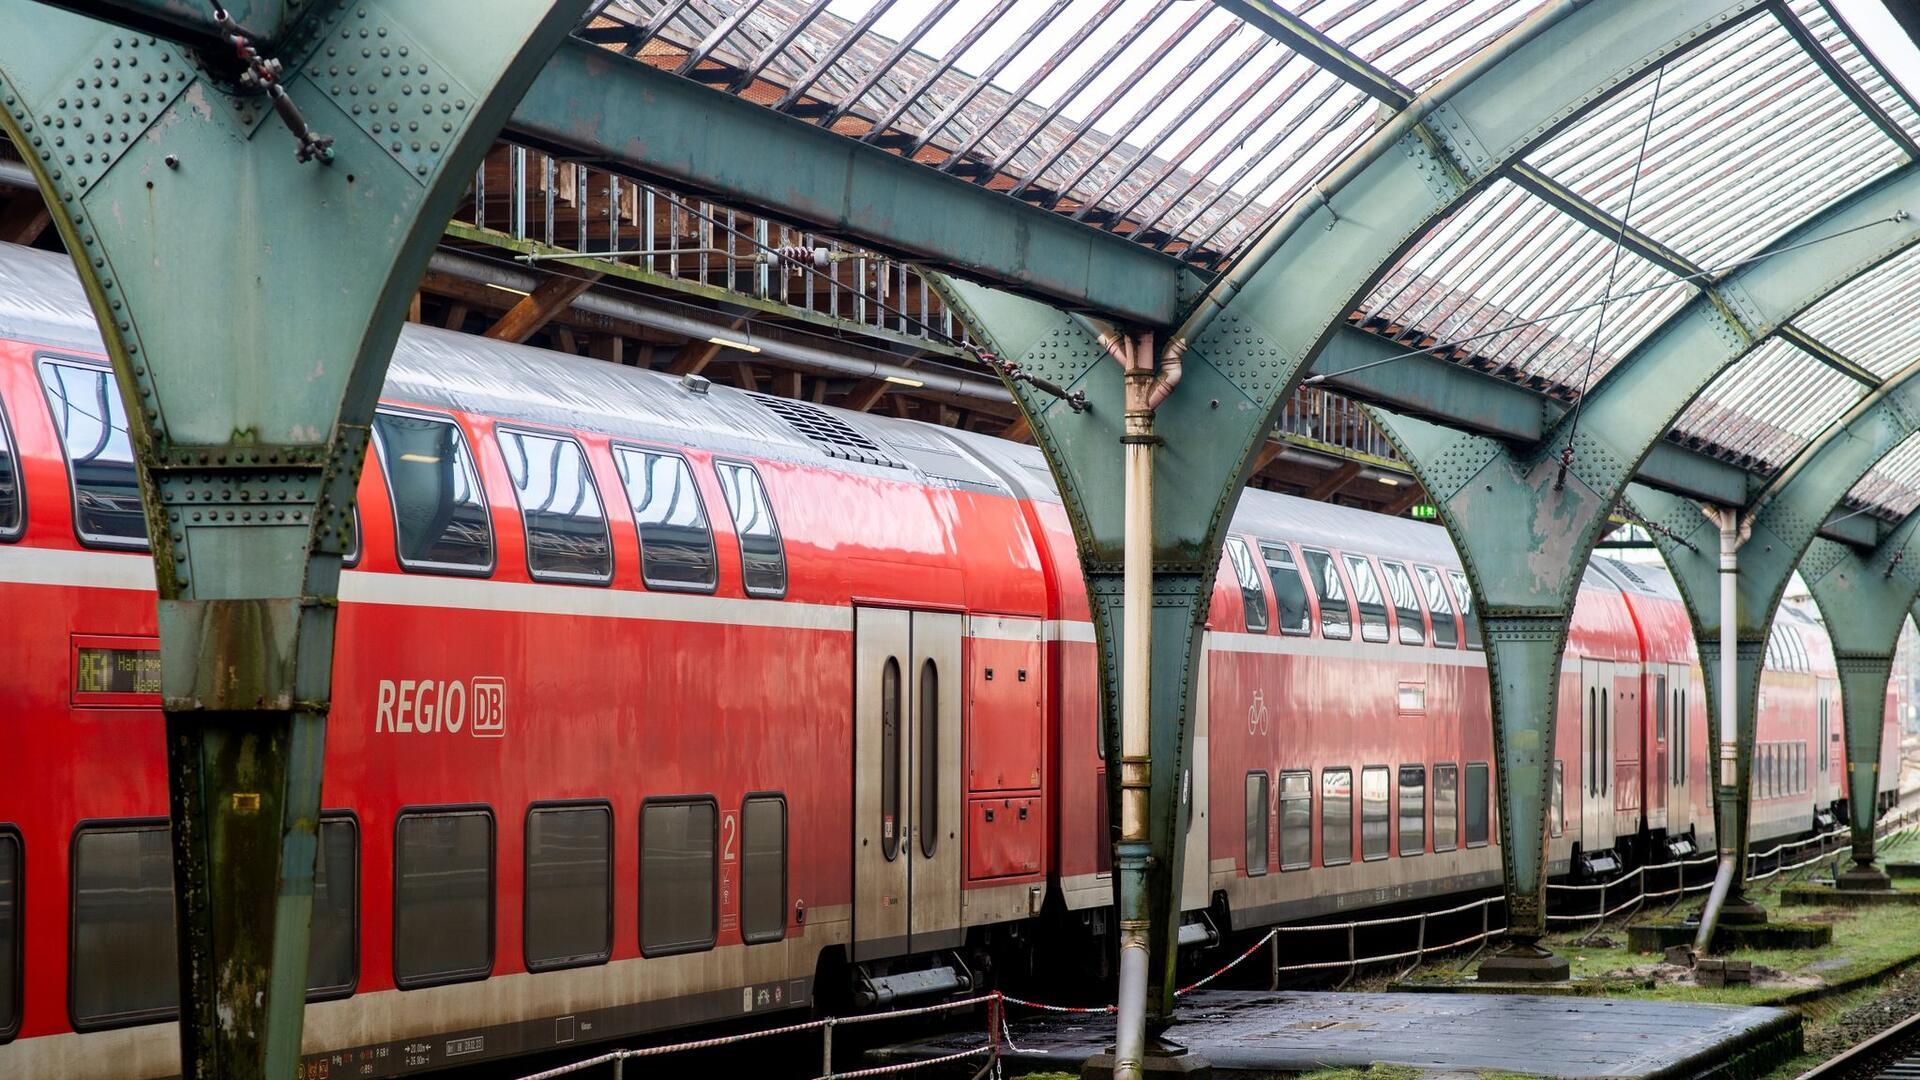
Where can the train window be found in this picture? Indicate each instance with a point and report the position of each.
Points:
(123, 941)
(13, 503)
(927, 737)
(567, 538)
(440, 514)
(1374, 814)
(676, 541)
(568, 914)
(890, 749)
(763, 558)
(1606, 741)
(1660, 707)
(12, 873)
(1446, 633)
(763, 877)
(1820, 762)
(1446, 807)
(1336, 817)
(1413, 809)
(92, 420)
(1476, 804)
(1557, 800)
(1682, 737)
(1289, 589)
(678, 838)
(1253, 598)
(1336, 621)
(333, 958)
(1468, 617)
(442, 896)
(1296, 820)
(1257, 824)
(1406, 605)
(1373, 605)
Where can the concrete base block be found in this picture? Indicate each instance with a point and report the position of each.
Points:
(1739, 911)
(1168, 1060)
(1862, 877)
(1523, 964)
(1828, 896)
(1655, 937)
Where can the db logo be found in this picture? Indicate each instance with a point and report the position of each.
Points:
(443, 706)
(489, 706)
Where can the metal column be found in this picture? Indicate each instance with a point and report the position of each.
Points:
(250, 238)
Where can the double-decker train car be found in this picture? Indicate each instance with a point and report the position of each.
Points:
(660, 703)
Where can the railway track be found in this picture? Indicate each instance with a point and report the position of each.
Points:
(1894, 1054)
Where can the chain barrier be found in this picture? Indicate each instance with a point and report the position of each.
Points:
(999, 1034)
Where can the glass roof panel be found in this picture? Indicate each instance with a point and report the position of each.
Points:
(1892, 487)
(1873, 320)
(1825, 25)
(1766, 408)
(1172, 122)
(1507, 258)
(1751, 136)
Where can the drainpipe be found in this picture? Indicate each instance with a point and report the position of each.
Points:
(1144, 393)
(1726, 879)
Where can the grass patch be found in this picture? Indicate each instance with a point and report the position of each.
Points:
(1398, 1072)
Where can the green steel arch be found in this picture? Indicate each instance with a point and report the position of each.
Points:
(250, 299)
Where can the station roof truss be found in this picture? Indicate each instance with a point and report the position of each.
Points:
(1189, 129)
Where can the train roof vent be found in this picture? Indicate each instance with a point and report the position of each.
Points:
(1627, 571)
(834, 436)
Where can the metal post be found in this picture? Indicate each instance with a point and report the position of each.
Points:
(826, 1049)
(1727, 881)
(1135, 703)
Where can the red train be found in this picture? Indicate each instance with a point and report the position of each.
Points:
(660, 703)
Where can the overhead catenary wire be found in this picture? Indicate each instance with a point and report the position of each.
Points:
(1521, 324)
(1613, 271)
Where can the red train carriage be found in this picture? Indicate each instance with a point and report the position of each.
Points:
(659, 703)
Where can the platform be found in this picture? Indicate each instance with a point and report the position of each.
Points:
(1247, 1034)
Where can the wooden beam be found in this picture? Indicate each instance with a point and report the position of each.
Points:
(1020, 431)
(1269, 450)
(1334, 481)
(25, 220)
(456, 316)
(695, 357)
(866, 394)
(563, 337)
(413, 309)
(609, 347)
(786, 384)
(538, 307)
(1403, 502)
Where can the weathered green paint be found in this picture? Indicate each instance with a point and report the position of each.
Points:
(191, 21)
(1865, 597)
(1192, 484)
(1690, 543)
(250, 304)
(1526, 527)
(595, 104)
(1254, 335)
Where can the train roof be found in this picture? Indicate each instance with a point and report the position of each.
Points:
(41, 301)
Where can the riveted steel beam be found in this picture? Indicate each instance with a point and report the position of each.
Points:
(248, 399)
(1245, 343)
(1864, 596)
(191, 22)
(698, 138)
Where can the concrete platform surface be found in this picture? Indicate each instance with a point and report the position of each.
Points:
(1247, 1033)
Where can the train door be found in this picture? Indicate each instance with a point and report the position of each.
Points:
(907, 798)
(1826, 725)
(1679, 780)
(1596, 747)
(1194, 876)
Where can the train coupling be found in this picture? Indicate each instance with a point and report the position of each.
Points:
(1200, 932)
(947, 976)
(1599, 864)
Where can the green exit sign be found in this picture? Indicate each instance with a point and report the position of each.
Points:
(1425, 511)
